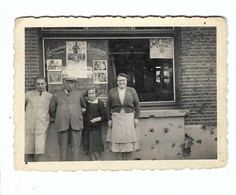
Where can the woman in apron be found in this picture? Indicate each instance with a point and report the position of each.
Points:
(123, 111)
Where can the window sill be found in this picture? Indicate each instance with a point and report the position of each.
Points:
(162, 113)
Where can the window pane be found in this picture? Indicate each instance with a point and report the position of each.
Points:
(152, 78)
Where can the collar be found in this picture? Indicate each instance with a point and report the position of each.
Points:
(37, 92)
(93, 102)
(68, 92)
(121, 90)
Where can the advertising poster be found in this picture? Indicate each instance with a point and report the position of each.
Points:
(54, 65)
(76, 59)
(99, 71)
(54, 78)
(99, 65)
(162, 47)
(100, 77)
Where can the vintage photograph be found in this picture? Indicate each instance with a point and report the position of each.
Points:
(54, 65)
(160, 86)
(99, 65)
(76, 53)
(54, 78)
(100, 77)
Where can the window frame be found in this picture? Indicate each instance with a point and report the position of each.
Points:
(134, 35)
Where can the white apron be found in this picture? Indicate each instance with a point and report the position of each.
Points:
(123, 136)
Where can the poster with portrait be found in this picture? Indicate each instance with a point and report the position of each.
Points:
(99, 71)
(100, 77)
(54, 65)
(54, 77)
(99, 65)
(76, 59)
(162, 47)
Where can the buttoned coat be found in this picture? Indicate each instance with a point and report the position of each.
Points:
(67, 110)
(36, 121)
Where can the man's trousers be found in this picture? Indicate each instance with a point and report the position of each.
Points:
(69, 142)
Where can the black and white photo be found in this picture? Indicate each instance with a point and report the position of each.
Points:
(54, 78)
(54, 65)
(160, 92)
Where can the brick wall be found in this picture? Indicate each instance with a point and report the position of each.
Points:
(197, 74)
(31, 57)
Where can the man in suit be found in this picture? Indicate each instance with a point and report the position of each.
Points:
(36, 120)
(67, 106)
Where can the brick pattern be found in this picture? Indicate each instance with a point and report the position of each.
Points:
(31, 57)
(197, 74)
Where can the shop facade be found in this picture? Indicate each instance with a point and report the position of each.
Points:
(173, 70)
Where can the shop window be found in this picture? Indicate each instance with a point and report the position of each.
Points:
(152, 72)
(153, 78)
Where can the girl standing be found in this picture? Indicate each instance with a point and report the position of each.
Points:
(92, 135)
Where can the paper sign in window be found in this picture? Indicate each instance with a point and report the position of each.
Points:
(162, 47)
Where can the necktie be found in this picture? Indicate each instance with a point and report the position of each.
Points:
(40, 93)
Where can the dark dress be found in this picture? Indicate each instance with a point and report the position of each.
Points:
(92, 135)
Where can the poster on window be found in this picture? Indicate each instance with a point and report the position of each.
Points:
(100, 65)
(54, 65)
(76, 59)
(54, 78)
(162, 47)
(99, 71)
(99, 77)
